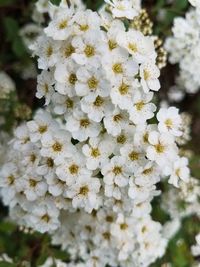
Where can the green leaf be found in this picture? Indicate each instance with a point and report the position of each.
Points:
(11, 27)
(18, 47)
(7, 227)
(55, 2)
(7, 264)
(180, 5)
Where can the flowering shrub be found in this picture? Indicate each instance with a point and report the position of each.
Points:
(88, 166)
(183, 48)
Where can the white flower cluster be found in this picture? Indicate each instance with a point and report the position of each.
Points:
(89, 176)
(6, 85)
(183, 48)
(182, 203)
(196, 248)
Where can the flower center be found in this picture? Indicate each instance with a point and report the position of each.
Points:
(117, 170)
(93, 83)
(159, 148)
(42, 129)
(145, 138)
(106, 235)
(169, 123)
(11, 179)
(89, 51)
(147, 75)
(117, 68)
(123, 226)
(49, 51)
(139, 106)
(133, 47)
(69, 50)
(32, 158)
(57, 147)
(84, 27)
(112, 44)
(45, 218)
(32, 183)
(178, 172)
(84, 190)
(69, 103)
(95, 152)
(109, 219)
(147, 171)
(123, 89)
(46, 88)
(133, 156)
(50, 162)
(98, 101)
(63, 24)
(72, 78)
(84, 123)
(117, 118)
(121, 139)
(74, 169)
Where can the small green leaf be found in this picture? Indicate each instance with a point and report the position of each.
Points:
(55, 2)
(11, 27)
(180, 5)
(18, 47)
(7, 264)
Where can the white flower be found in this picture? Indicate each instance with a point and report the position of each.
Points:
(22, 141)
(97, 152)
(84, 193)
(6, 84)
(169, 121)
(96, 107)
(149, 73)
(138, 193)
(81, 127)
(56, 187)
(147, 175)
(115, 172)
(71, 169)
(122, 229)
(141, 108)
(45, 217)
(57, 146)
(40, 126)
(118, 64)
(9, 181)
(46, 49)
(161, 147)
(44, 86)
(196, 248)
(122, 8)
(134, 156)
(65, 75)
(85, 21)
(113, 31)
(92, 81)
(64, 105)
(60, 27)
(139, 46)
(179, 171)
(195, 3)
(34, 186)
(122, 93)
(115, 122)
(88, 48)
